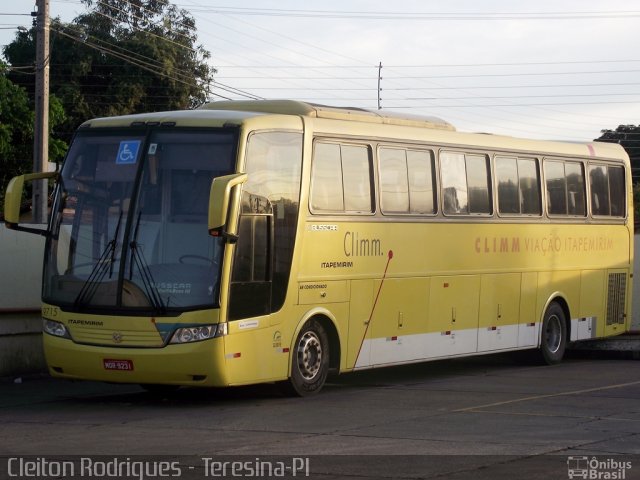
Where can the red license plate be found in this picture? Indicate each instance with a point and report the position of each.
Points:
(109, 364)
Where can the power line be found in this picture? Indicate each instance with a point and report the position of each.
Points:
(143, 65)
(518, 74)
(152, 23)
(222, 86)
(328, 75)
(129, 56)
(557, 85)
(147, 63)
(389, 81)
(509, 105)
(381, 15)
(480, 97)
(429, 77)
(510, 64)
(304, 51)
(393, 83)
(150, 67)
(435, 65)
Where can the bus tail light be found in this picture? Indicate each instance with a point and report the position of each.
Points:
(199, 333)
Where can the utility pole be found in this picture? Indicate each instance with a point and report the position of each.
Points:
(41, 131)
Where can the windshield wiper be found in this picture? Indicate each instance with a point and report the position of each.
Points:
(104, 264)
(145, 273)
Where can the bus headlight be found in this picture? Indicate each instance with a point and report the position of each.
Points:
(199, 333)
(56, 329)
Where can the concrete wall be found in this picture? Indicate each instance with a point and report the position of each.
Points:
(20, 284)
(635, 320)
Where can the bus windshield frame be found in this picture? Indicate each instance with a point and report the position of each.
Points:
(128, 230)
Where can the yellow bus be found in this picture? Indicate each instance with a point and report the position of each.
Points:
(279, 241)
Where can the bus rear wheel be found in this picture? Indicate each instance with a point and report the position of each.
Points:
(310, 361)
(554, 335)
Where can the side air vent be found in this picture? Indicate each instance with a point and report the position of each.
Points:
(616, 298)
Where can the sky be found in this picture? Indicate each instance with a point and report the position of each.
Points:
(551, 69)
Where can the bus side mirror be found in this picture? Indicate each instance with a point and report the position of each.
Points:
(13, 199)
(219, 201)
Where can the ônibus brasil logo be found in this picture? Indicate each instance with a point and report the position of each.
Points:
(593, 468)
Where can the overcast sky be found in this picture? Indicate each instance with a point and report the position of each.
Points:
(557, 69)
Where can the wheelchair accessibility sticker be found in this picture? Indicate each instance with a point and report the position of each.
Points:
(128, 152)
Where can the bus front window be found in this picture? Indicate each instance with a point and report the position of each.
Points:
(130, 223)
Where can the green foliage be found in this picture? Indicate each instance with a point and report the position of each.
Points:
(628, 136)
(121, 57)
(17, 132)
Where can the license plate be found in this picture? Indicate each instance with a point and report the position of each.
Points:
(125, 365)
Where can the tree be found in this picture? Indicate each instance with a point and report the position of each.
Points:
(628, 136)
(121, 57)
(16, 131)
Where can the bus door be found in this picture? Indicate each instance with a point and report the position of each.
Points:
(250, 294)
(263, 256)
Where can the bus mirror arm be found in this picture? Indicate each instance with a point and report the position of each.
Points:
(13, 201)
(228, 237)
(219, 202)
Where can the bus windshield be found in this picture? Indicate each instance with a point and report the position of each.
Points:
(129, 224)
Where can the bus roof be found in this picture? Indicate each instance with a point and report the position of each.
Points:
(225, 112)
(376, 117)
(294, 107)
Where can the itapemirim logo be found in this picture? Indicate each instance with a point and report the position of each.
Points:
(593, 468)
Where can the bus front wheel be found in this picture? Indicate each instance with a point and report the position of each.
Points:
(309, 361)
(554, 335)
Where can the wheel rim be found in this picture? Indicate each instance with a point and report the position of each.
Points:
(309, 355)
(553, 333)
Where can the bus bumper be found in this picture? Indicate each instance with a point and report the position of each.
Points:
(196, 364)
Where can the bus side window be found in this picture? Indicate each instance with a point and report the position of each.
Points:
(599, 180)
(575, 188)
(466, 183)
(252, 253)
(565, 188)
(269, 212)
(326, 190)
(356, 175)
(507, 179)
(478, 183)
(341, 179)
(617, 195)
(422, 189)
(394, 183)
(407, 181)
(607, 190)
(529, 178)
(518, 186)
(556, 188)
(454, 183)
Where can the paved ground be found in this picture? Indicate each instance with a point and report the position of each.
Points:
(482, 417)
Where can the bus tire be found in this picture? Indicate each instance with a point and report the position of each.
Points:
(553, 339)
(309, 361)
